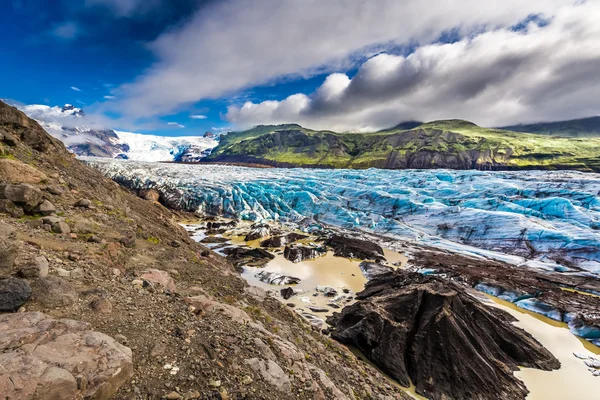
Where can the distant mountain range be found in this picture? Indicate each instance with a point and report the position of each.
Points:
(584, 127)
(88, 138)
(454, 144)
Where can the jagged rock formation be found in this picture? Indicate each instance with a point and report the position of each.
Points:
(297, 252)
(355, 248)
(431, 332)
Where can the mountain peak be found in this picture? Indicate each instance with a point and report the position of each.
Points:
(72, 110)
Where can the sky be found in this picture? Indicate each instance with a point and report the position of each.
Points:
(184, 67)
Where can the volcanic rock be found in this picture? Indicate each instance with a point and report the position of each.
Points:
(373, 270)
(282, 240)
(274, 278)
(424, 330)
(355, 248)
(258, 231)
(13, 294)
(241, 256)
(296, 253)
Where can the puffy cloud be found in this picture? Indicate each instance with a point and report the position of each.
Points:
(230, 45)
(198, 116)
(502, 76)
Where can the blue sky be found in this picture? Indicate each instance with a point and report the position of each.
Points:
(150, 65)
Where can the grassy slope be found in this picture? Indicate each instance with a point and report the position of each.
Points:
(438, 144)
(585, 127)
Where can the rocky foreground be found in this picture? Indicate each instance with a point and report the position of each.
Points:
(103, 295)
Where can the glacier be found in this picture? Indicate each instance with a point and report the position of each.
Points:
(84, 136)
(541, 219)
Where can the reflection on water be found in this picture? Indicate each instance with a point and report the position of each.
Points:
(572, 380)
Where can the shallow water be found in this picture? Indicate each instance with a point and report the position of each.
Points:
(572, 380)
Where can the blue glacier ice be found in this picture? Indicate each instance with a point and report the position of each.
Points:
(534, 218)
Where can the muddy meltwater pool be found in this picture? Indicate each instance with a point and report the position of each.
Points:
(571, 381)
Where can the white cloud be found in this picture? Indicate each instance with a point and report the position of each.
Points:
(231, 45)
(67, 30)
(109, 97)
(198, 116)
(494, 78)
(176, 124)
(75, 88)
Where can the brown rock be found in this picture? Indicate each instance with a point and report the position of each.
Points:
(15, 171)
(10, 208)
(101, 305)
(9, 248)
(36, 268)
(45, 358)
(53, 291)
(45, 208)
(24, 195)
(158, 277)
(61, 227)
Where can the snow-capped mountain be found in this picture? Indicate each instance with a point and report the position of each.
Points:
(85, 137)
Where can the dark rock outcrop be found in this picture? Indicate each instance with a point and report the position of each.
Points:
(355, 248)
(13, 294)
(287, 292)
(258, 231)
(242, 256)
(422, 329)
(282, 240)
(297, 252)
(373, 270)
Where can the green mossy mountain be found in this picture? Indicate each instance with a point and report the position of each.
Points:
(455, 144)
(584, 127)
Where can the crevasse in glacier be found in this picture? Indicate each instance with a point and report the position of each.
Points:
(547, 219)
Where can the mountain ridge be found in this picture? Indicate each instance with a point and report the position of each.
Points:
(581, 127)
(453, 143)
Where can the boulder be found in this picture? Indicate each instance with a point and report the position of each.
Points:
(160, 278)
(83, 203)
(61, 227)
(10, 208)
(221, 225)
(45, 208)
(61, 359)
(150, 195)
(258, 231)
(15, 171)
(9, 248)
(355, 248)
(287, 292)
(53, 291)
(128, 241)
(55, 190)
(373, 270)
(13, 294)
(275, 278)
(101, 305)
(430, 332)
(282, 240)
(245, 256)
(36, 268)
(298, 252)
(271, 372)
(24, 195)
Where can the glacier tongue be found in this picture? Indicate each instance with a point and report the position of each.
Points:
(547, 218)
